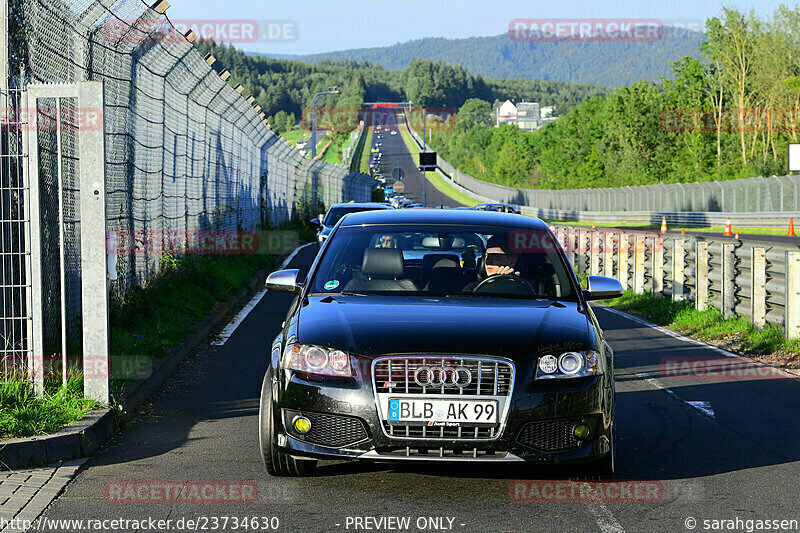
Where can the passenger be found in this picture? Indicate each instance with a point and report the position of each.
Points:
(387, 241)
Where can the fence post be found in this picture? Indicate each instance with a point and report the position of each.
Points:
(658, 266)
(758, 281)
(701, 277)
(638, 265)
(4, 70)
(622, 264)
(793, 295)
(571, 247)
(678, 257)
(728, 281)
(608, 255)
(581, 251)
(594, 253)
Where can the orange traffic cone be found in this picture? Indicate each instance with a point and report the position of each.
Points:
(663, 224)
(736, 236)
(791, 228)
(728, 231)
(683, 231)
(594, 228)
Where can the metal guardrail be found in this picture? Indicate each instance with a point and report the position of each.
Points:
(759, 280)
(751, 202)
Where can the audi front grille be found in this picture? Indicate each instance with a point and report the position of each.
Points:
(468, 377)
(490, 377)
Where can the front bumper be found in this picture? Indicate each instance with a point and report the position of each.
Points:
(547, 405)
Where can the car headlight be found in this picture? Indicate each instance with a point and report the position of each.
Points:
(317, 360)
(569, 365)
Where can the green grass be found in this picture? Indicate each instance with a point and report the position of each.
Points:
(333, 152)
(708, 325)
(22, 414)
(363, 154)
(435, 179)
(712, 229)
(295, 135)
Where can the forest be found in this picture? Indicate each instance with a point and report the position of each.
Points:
(281, 85)
(729, 114)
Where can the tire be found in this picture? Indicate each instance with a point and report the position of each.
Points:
(277, 462)
(605, 467)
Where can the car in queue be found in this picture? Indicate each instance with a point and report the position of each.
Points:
(325, 223)
(439, 335)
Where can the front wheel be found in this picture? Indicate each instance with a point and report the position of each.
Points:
(276, 461)
(605, 467)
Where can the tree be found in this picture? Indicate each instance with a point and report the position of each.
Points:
(474, 112)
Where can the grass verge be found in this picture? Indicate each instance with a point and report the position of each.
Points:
(735, 334)
(434, 178)
(363, 155)
(22, 414)
(657, 227)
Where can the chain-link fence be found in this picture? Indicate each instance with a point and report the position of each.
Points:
(184, 152)
(774, 194)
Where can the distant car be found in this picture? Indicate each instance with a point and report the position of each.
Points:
(394, 133)
(337, 211)
(498, 207)
(464, 207)
(442, 207)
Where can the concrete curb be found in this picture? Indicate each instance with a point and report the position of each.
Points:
(86, 435)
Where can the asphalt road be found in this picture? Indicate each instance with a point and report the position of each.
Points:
(396, 154)
(733, 454)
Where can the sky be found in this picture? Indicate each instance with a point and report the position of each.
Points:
(314, 26)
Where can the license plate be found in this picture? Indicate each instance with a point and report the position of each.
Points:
(443, 410)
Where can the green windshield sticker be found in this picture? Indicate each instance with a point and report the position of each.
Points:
(332, 284)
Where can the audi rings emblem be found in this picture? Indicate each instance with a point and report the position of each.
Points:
(443, 376)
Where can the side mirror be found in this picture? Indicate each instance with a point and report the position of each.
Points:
(316, 222)
(284, 281)
(601, 288)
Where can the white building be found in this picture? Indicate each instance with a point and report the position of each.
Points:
(526, 115)
(507, 112)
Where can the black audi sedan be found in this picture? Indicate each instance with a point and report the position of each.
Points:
(439, 335)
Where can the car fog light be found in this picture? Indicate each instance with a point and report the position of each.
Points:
(302, 424)
(338, 360)
(548, 364)
(581, 431)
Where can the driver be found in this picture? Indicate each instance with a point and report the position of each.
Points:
(497, 260)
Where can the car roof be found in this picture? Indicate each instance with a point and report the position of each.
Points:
(360, 205)
(443, 216)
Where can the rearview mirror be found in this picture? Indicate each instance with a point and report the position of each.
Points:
(601, 288)
(284, 281)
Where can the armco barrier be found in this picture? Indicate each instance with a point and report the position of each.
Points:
(759, 280)
(762, 202)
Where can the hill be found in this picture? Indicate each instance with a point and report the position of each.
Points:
(607, 64)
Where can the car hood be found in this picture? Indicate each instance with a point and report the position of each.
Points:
(379, 325)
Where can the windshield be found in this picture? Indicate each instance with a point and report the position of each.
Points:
(443, 260)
